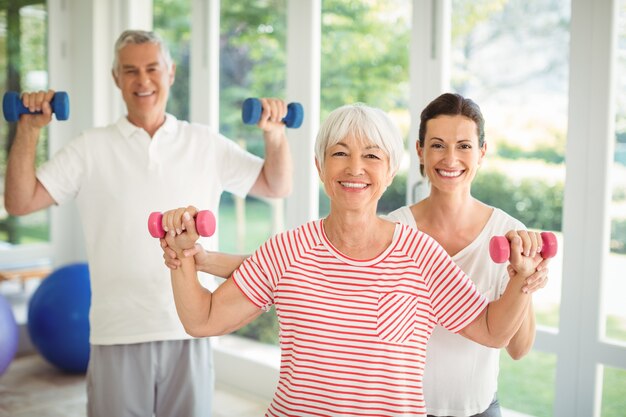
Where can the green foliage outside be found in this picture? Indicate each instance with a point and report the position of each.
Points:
(263, 329)
(613, 389)
(171, 21)
(23, 52)
(618, 236)
(527, 385)
(535, 203)
(365, 62)
(616, 328)
(552, 152)
(258, 228)
(29, 233)
(257, 225)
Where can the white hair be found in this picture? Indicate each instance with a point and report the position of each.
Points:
(137, 37)
(365, 123)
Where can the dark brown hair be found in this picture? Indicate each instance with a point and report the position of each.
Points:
(449, 104)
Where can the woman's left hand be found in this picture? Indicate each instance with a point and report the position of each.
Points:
(537, 280)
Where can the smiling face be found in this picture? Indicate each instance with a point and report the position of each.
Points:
(451, 155)
(355, 174)
(144, 79)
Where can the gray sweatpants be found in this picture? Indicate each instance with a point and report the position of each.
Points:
(162, 379)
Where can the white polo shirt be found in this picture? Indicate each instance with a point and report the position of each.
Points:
(118, 176)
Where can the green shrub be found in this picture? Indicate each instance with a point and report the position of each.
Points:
(535, 203)
(618, 236)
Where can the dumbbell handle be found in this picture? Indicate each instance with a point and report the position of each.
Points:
(252, 108)
(500, 249)
(205, 224)
(13, 107)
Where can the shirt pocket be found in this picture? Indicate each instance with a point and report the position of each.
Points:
(396, 317)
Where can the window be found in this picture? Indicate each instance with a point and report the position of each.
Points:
(23, 65)
(527, 386)
(613, 401)
(614, 283)
(171, 21)
(252, 64)
(512, 59)
(362, 62)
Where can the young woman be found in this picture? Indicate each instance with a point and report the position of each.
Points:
(461, 376)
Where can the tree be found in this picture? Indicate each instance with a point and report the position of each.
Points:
(365, 54)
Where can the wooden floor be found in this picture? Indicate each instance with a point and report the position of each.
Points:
(33, 388)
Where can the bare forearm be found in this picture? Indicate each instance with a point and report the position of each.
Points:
(278, 166)
(203, 313)
(20, 181)
(505, 315)
(524, 338)
(501, 319)
(219, 264)
(193, 301)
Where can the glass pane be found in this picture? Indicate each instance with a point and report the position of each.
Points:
(23, 67)
(247, 27)
(252, 64)
(613, 389)
(614, 278)
(511, 57)
(171, 20)
(375, 73)
(527, 386)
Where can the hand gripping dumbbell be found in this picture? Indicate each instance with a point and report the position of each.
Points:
(205, 224)
(252, 108)
(500, 250)
(13, 107)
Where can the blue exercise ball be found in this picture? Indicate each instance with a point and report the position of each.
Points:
(58, 318)
(9, 335)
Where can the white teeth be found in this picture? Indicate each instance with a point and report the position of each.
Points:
(449, 174)
(353, 184)
(144, 94)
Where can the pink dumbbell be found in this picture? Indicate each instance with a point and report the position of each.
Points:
(500, 250)
(205, 223)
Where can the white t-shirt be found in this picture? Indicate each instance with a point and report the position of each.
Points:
(118, 176)
(353, 333)
(461, 376)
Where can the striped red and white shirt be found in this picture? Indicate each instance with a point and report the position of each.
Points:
(353, 333)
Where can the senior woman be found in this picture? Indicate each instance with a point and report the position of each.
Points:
(356, 296)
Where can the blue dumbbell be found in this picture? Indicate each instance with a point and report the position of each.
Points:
(251, 113)
(13, 107)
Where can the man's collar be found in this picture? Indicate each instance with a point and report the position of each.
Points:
(128, 129)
